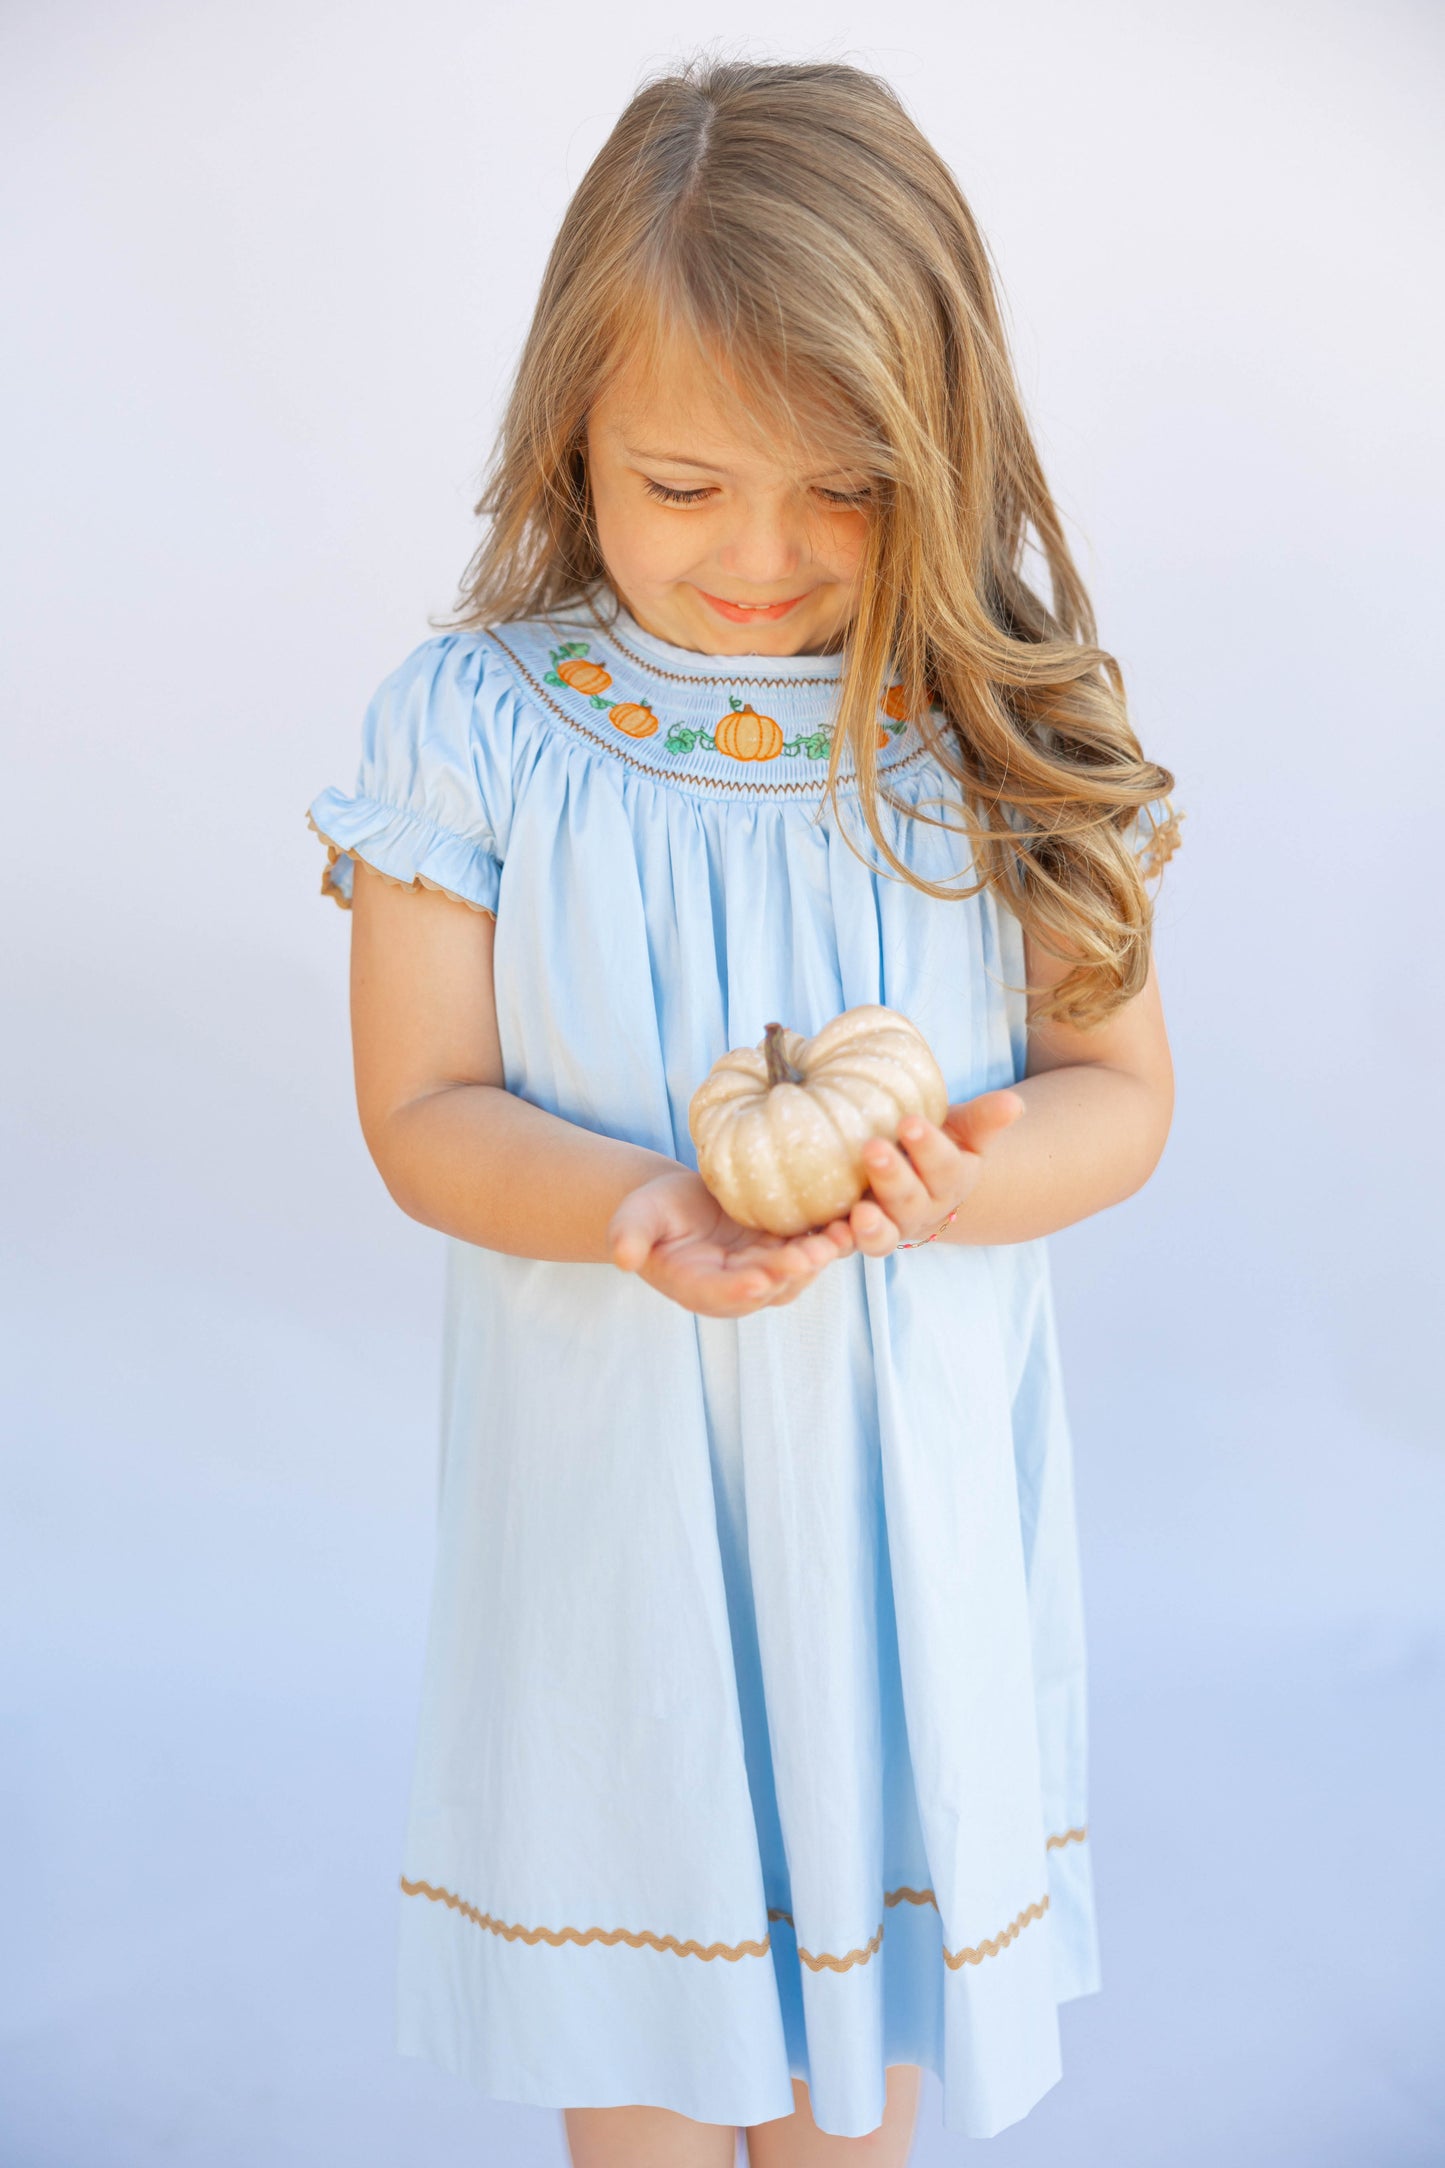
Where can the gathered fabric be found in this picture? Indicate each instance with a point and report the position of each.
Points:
(753, 1737)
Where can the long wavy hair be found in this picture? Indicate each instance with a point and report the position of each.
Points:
(797, 226)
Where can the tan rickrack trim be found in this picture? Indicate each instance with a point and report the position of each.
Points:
(823, 1962)
(329, 887)
(990, 1947)
(731, 1952)
(992, 1944)
(817, 1961)
(645, 1940)
(689, 779)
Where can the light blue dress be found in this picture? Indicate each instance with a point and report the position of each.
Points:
(753, 1727)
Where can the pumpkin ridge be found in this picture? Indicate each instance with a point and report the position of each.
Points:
(882, 1070)
(835, 1092)
(764, 1179)
(871, 1110)
(813, 1158)
(868, 1021)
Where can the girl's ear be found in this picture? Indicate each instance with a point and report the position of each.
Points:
(576, 475)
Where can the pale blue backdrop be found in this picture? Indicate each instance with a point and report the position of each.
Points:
(266, 267)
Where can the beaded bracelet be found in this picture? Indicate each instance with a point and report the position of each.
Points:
(953, 1215)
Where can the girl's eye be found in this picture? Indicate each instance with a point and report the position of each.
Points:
(854, 498)
(664, 495)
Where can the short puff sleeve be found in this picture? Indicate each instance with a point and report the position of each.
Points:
(433, 795)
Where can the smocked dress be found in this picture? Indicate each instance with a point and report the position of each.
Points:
(752, 1738)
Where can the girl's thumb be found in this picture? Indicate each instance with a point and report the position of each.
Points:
(975, 1122)
(630, 1238)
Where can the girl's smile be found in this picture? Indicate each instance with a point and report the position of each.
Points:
(744, 613)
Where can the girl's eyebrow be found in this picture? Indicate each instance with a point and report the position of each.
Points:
(675, 459)
(685, 459)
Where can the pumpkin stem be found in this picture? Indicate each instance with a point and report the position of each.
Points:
(780, 1069)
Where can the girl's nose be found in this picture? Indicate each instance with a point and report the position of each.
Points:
(766, 546)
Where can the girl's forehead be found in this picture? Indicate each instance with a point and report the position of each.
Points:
(675, 401)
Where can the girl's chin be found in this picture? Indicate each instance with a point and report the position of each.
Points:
(805, 629)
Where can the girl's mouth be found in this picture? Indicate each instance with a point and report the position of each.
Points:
(750, 613)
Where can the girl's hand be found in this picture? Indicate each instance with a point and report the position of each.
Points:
(674, 1234)
(912, 1190)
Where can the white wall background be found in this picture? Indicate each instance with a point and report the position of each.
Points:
(265, 270)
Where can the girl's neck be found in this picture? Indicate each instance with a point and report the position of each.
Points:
(620, 621)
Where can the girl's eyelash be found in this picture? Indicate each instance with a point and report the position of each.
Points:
(664, 495)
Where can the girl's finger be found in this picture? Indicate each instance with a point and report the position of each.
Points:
(874, 1232)
(744, 1292)
(935, 1157)
(818, 1247)
(801, 1253)
(893, 1180)
(751, 1256)
(786, 1295)
(779, 1266)
(741, 1293)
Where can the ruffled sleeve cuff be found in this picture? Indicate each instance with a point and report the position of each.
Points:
(402, 846)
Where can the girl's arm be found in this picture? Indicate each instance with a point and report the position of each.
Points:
(456, 1149)
(461, 1153)
(1095, 1110)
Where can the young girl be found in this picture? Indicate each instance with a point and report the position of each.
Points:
(751, 1776)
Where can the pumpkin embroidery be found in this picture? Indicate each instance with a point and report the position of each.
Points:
(634, 717)
(570, 667)
(741, 734)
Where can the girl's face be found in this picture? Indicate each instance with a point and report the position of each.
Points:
(715, 536)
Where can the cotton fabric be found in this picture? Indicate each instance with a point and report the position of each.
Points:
(753, 1737)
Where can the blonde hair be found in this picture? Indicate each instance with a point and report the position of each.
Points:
(793, 221)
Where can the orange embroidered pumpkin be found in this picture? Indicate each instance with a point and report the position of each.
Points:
(633, 716)
(780, 1128)
(893, 705)
(882, 738)
(584, 677)
(746, 735)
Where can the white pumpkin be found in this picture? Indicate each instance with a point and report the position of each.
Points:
(780, 1128)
